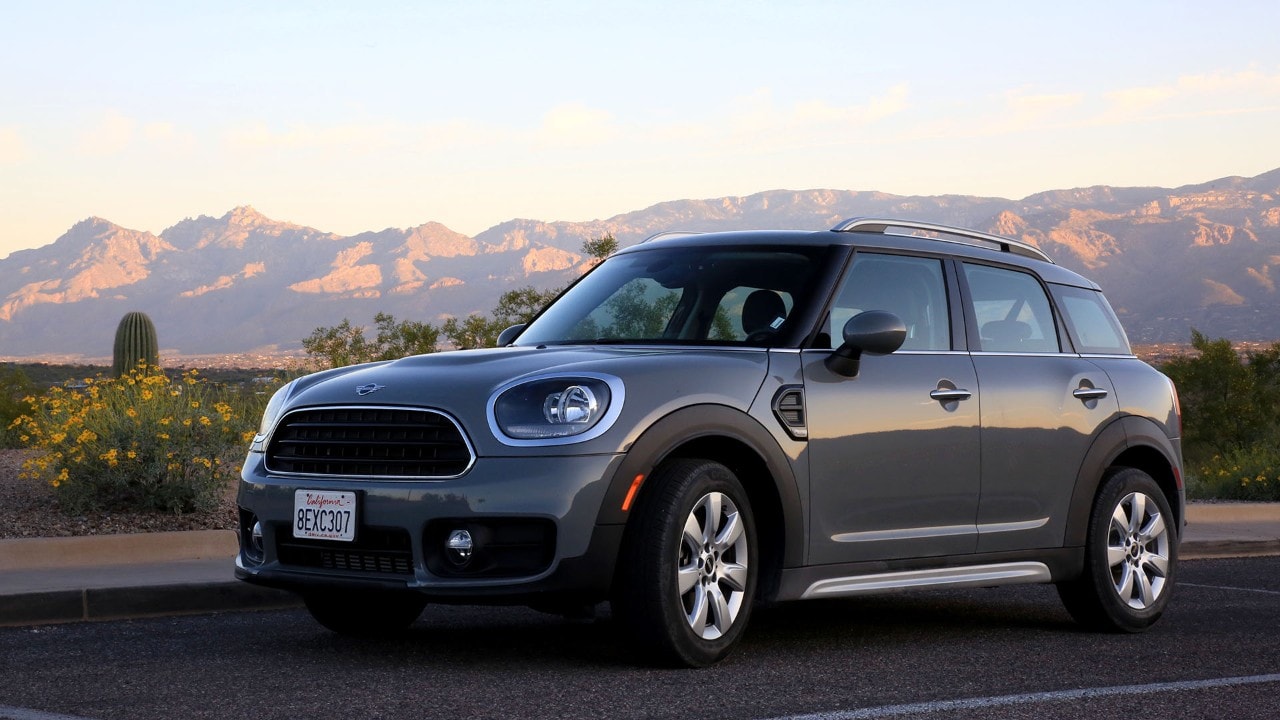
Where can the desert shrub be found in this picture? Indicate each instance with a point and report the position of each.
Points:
(14, 386)
(1251, 473)
(140, 442)
(1230, 400)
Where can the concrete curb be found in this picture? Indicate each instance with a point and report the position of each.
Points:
(128, 549)
(64, 606)
(1233, 512)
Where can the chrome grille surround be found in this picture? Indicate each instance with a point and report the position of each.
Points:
(382, 442)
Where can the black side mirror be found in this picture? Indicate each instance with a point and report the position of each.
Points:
(506, 337)
(878, 332)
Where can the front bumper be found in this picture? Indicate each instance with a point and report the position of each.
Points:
(539, 513)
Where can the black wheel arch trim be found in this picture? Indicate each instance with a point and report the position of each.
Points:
(696, 423)
(1125, 434)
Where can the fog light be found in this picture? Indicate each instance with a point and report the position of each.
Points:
(458, 547)
(254, 549)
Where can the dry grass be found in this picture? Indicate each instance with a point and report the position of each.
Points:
(28, 508)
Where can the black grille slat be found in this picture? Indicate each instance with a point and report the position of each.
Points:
(377, 551)
(368, 442)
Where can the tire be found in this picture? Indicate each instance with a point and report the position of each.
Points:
(1131, 556)
(686, 580)
(364, 613)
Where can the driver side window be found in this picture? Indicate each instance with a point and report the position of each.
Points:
(910, 287)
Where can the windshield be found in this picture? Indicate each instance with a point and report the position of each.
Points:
(701, 295)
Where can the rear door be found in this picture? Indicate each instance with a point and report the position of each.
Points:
(1042, 405)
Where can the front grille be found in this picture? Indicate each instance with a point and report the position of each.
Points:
(378, 442)
(376, 550)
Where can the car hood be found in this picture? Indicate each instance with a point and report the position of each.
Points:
(657, 380)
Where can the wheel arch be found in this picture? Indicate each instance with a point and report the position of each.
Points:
(739, 442)
(1131, 441)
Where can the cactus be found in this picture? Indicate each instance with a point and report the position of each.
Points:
(136, 343)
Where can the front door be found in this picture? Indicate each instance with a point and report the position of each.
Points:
(894, 452)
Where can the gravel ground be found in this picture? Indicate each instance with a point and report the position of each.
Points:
(28, 509)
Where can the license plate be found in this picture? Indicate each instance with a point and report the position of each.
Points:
(324, 515)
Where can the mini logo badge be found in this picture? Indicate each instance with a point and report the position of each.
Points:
(363, 390)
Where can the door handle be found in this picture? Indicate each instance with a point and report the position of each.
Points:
(1089, 393)
(945, 396)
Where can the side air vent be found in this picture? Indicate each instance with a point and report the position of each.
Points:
(788, 407)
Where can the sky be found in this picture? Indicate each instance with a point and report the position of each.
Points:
(366, 115)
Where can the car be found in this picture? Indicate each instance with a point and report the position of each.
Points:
(706, 422)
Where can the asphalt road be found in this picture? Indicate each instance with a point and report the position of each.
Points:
(1002, 653)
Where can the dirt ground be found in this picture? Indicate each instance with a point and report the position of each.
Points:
(29, 509)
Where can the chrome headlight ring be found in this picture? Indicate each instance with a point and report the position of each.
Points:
(555, 409)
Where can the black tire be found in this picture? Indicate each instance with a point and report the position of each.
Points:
(364, 613)
(683, 596)
(1131, 556)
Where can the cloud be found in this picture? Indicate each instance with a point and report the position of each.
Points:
(577, 125)
(348, 137)
(110, 136)
(13, 147)
(1200, 95)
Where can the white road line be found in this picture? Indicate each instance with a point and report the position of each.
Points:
(886, 711)
(1225, 587)
(13, 713)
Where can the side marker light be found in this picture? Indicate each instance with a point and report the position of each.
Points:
(631, 494)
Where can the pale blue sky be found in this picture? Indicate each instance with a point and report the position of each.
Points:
(360, 116)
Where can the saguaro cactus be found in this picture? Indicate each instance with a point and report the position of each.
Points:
(135, 343)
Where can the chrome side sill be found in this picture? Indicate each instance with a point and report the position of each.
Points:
(953, 577)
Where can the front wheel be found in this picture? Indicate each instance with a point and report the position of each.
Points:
(687, 580)
(364, 613)
(1130, 556)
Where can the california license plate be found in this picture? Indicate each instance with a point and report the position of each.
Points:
(324, 515)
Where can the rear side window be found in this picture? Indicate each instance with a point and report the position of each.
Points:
(1012, 310)
(1090, 321)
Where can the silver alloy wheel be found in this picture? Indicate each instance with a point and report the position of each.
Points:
(711, 572)
(1138, 546)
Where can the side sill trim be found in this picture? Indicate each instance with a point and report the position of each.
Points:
(957, 577)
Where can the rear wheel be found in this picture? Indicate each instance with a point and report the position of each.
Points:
(687, 581)
(1130, 556)
(364, 613)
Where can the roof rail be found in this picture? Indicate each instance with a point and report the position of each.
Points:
(882, 225)
(669, 233)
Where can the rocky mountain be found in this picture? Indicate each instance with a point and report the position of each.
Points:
(1203, 256)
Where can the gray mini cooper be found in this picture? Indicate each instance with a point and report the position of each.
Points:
(709, 421)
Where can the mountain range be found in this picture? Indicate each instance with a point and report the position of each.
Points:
(1204, 256)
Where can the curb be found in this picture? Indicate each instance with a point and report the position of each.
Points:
(127, 549)
(1232, 512)
(66, 606)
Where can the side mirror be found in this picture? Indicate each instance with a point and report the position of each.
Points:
(506, 337)
(878, 332)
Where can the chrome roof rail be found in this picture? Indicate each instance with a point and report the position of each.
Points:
(669, 233)
(882, 225)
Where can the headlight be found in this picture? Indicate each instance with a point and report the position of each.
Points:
(270, 415)
(555, 410)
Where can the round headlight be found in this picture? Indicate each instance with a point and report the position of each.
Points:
(574, 404)
(555, 410)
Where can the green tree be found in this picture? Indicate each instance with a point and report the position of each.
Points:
(345, 344)
(515, 307)
(1229, 401)
(519, 306)
(475, 331)
(600, 248)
